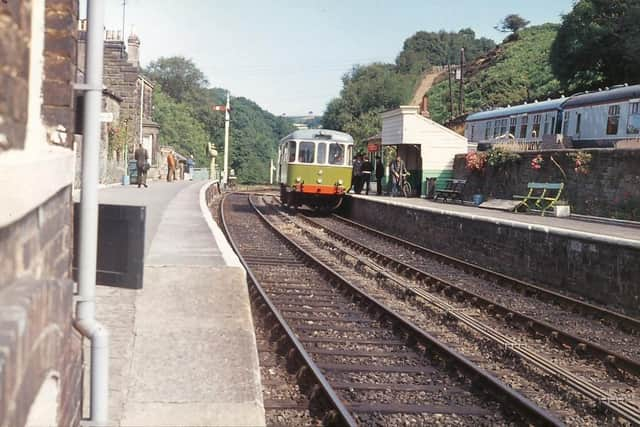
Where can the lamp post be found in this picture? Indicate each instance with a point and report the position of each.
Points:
(225, 180)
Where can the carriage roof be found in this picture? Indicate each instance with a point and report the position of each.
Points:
(534, 107)
(319, 135)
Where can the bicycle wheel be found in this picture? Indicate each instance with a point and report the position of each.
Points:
(406, 189)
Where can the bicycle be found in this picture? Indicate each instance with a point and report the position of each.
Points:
(405, 186)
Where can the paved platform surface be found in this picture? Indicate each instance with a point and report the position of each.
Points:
(183, 348)
(611, 233)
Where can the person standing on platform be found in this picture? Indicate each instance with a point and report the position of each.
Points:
(367, 169)
(357, 174)
(397, 169)
(191, 164)
(142, 158)
(171, 167)
(379, 175)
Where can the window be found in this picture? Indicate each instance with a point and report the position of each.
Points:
(578, 120)
(633, 124)
(535, 130)
(322, 153)
(546, 125)
(306, 152)
(565, 125)
(512, 125)
(292, 151)
(349, 152)
(473, 131)
(336, 154)
(553, 125)
(503, 126)
(613, 120)
(487, 131)
(496, 129)
(523, 126)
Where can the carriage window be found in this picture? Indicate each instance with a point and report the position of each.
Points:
(612, 121)
(512, 126)
(336, 154)
(535, 131)
(633, 124)
(496, 129)
(578, 120)
(523, 126)
(487, 131)
(322, 153)
(473, 131)
(306, 152)
(292, 151)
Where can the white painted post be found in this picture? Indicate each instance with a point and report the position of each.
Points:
(271, 171)
(225, 179)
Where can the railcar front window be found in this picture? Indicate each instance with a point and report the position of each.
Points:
(613, 120)
(336, 154)
(306, 152)
(322, 153)
(292, 151)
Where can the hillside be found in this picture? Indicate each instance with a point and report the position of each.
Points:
(182, 107)
(515, 71)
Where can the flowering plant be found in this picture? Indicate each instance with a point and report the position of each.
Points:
(536, 162)
(476, 161)
(581, 162)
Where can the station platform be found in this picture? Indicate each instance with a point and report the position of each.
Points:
(599, 262)
(183, 349)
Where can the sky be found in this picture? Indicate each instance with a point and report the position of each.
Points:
(289, 56)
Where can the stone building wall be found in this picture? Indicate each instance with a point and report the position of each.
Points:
(39, 344)
(610, 188)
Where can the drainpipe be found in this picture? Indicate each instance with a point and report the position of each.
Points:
(85, 309)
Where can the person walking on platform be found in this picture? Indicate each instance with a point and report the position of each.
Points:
(142, 158)
(357, 174)
(171, 167)
(379, 175)
(397, 169)
(367, 169)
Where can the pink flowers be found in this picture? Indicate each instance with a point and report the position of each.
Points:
(536, 162)
(476, 161)
(581, 161)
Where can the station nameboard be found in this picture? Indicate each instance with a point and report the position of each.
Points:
(372, 148)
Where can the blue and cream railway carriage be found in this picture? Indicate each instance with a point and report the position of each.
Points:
(590, 119)
(314, 168)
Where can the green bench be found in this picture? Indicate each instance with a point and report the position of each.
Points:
(541, 196)
(453, 190)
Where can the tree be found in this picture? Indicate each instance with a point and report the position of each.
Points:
(598, 44)
(178, 76)
(511, 24)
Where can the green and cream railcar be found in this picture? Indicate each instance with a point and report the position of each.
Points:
(314, 168)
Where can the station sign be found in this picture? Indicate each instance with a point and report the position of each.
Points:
(372, 147)
(106, 117)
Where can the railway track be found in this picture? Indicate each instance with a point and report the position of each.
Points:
(619, 403)
(356, 358)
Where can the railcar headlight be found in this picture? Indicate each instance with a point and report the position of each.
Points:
(340, 182)
(319, 180)
(298, 179)
(320, 172)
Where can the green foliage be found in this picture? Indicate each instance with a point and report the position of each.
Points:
(519, 71)
(424, 49)
(183, 109)
(497, 157)
(598, 43)
(367, 91)
(512, 24)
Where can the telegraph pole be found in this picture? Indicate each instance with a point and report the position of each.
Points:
(461, 81)
(450, 93)
(226, 144)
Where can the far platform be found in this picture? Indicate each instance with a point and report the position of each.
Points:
(612, 233)
(183, 348)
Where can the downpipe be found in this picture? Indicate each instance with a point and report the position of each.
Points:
(86, 322)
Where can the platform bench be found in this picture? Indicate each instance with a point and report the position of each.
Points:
(452, 191)
(541, 196)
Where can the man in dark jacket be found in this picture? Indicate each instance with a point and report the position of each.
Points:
(142, 157)
(357, 174)
(379, 175)
(367, 169)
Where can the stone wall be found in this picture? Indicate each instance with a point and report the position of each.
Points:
(604, 272)
(611, 188)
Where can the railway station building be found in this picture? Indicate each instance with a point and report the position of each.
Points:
(427, 147)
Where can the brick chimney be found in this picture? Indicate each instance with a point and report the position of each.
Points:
(133, 50)
(424, 106)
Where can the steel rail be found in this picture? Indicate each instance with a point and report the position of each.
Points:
(615, 405)
(627, 323)
(498, 310)
(494, 387)
(341, 412)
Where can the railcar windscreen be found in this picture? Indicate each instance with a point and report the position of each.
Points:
(336, 154)
(306, 152)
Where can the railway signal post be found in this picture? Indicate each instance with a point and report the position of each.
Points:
(226, 144)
